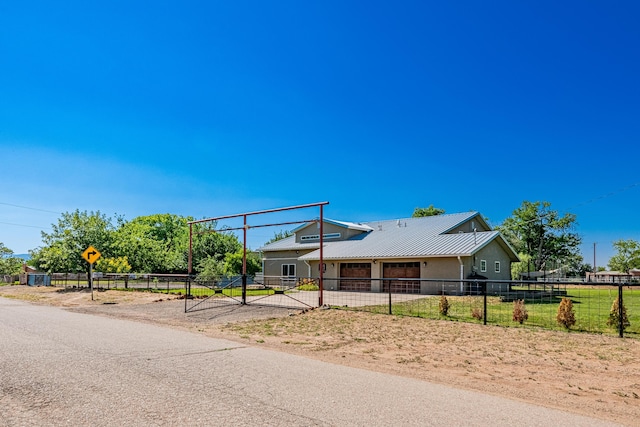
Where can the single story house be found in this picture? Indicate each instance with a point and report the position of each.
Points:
(445, 247)
(612, 276)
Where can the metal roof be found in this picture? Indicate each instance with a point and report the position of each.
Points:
(345, 224)
(289, 244)
(406, 242)
(400, 238)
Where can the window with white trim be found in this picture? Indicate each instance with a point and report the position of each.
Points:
(483, 265)
(497, 266)
(289, 270)
(317, 236)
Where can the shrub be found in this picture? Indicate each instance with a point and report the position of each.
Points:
(307, 284)
(566, 316)
(519, 311)
(477, 313)
(614, 315)
(444, 305)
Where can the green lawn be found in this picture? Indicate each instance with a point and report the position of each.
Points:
(205, 292)
(591, 307)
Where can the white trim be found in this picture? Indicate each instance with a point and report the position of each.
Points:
(483, 266)
(497, 266)
(317, 236)
(288, 270)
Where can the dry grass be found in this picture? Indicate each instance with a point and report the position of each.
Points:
(588, 374)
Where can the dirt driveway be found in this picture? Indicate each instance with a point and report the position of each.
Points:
(587, 374)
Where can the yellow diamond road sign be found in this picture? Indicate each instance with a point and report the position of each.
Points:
(91, 254)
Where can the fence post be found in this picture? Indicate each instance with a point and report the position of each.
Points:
(187, 285)
(390, 309)
(484, 303)
(244, 289)
(620, 311)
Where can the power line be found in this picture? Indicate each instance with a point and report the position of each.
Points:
(604, 196)
(23, 225)
(30, 208)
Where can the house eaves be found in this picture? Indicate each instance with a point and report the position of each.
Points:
(445, 245)
(401, 238)
(344, 224)
(288, 244)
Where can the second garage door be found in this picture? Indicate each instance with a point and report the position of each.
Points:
(401, 270)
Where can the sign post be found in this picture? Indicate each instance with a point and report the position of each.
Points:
(91, 255)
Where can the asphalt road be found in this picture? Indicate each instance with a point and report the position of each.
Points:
(59, 368)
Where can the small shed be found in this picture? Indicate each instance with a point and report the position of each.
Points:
(38, 279)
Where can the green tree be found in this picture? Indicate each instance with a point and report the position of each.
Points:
(543, 234)
(154, 244)
(520, 267)
(210, 269)
(577, 269)
(113, 265)
(233, 263)
(430, 211)
(282, 234)
(74, 232)
(209, 243)
(8, 263)
(627, 256)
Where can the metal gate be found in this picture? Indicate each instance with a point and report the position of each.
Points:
(282, 292)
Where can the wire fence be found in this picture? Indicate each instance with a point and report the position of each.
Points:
(557, 305)
(587, 307)
(166, 283)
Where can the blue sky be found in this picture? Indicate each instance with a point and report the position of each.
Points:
(208, 108)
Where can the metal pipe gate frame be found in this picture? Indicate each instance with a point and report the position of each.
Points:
(246, 227)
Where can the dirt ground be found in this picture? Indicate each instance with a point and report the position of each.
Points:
(588, 374)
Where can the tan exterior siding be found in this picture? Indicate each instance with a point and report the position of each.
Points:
(491, 254)
(445, 270)
(272, 262)
(468, 226)
(436, 268)
(313, 230)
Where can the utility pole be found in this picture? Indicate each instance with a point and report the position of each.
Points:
(595, 269)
